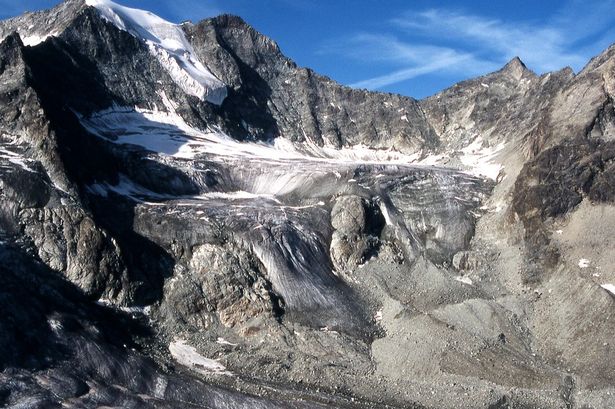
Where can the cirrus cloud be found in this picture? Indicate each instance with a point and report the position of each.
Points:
(445, 41)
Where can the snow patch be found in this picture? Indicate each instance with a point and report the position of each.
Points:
(464, 280)
(168, 43)
(55, 325)
(188, 356)
(15, 159)
(609, 287)
(378, 315)
(166, 133)
(222, 341)
(330, 331)
(103, 302)
(35, 39)
(584, 263)
(170, 105)
(479, 159)
(157, 131)
(385, 213)
(160, 387)
(237, 195)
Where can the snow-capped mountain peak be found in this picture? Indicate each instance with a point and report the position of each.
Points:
(169, 44)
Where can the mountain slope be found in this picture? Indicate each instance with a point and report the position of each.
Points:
(255, 227)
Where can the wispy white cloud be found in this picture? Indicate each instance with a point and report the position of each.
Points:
(414, 60)
(443, 41)
(543, 47)
(404, 74)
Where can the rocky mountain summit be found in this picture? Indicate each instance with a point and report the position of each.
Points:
(189, 219)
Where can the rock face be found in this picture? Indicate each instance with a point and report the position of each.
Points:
(357, 227)
(165, 244)
(270, 96)
(228, 285)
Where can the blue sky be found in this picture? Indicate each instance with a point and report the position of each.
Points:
(414, 48)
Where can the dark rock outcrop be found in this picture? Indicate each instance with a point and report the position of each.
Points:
(270, 96)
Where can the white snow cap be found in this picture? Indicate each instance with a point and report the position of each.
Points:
(169, 44)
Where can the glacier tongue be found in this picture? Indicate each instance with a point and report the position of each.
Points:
(169, 44)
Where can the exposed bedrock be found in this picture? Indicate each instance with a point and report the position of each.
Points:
(553, 184)
(76, 353)
(358, 226)
(270, 96)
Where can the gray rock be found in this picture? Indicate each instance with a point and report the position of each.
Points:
(348, 242)
(274, 97)
(466, 261)
(221, 285)
(348, 215)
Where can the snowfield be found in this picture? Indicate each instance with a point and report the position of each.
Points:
(165, 133)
